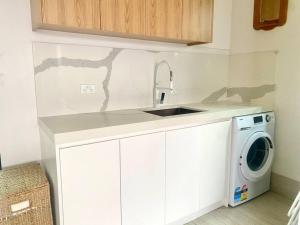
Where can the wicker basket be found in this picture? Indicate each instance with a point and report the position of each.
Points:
(24, 196)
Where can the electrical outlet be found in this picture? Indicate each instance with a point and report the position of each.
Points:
(88, 88)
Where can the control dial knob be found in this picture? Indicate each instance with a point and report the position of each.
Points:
(268, 118)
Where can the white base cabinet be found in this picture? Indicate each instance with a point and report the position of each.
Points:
(182, 173)
(90, 179)
(214, 144)
(143, 179)
(195, 169)
(152, 179)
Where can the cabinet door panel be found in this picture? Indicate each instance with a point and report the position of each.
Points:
(164, 18)
(72, 13)
(182, 173)
(214, 139)
(197, 20)
(91, 184)
(143, 179)
(196, 169)
(50, 11)
(82, 13)
(123, 16)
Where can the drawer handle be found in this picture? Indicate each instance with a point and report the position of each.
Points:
(20, 206)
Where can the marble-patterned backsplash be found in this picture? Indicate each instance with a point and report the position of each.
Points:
(124, 77)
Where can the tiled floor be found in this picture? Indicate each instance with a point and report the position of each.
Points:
(269, 209)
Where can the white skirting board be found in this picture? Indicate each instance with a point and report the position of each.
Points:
(198, 214)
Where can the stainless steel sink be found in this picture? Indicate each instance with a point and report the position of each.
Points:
(173, 111)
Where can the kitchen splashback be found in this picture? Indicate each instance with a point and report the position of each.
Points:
(123, 78)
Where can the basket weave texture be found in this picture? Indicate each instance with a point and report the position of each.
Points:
(24, 196)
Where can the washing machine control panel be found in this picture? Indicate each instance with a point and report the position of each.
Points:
(243, 123)
(260, 119)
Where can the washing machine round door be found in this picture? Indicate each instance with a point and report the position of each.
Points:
(257, 156)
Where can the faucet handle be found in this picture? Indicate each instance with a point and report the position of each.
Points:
(162, 98)
(171, 81)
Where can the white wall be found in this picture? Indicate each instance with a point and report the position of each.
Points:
(19, 140)
(252, 74)
(244, 38)
(287, 97)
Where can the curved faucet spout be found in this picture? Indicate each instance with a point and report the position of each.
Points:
(155, 85)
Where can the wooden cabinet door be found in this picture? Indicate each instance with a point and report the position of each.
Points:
(90, 176)
(143, 179)
(123, 16)
(182, 173)
(197, 18)
(164, 18)
(47, 11)
(71, 13)
(214, 143)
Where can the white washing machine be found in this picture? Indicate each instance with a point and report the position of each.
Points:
(251, 156)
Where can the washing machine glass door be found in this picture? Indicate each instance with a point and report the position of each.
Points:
(257, 156)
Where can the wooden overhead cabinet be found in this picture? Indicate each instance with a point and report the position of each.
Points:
(179, 21)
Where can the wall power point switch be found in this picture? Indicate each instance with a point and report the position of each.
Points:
(88, 88)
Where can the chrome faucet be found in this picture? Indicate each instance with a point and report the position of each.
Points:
(161, 90)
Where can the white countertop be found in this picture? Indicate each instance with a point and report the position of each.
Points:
(76, 129)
